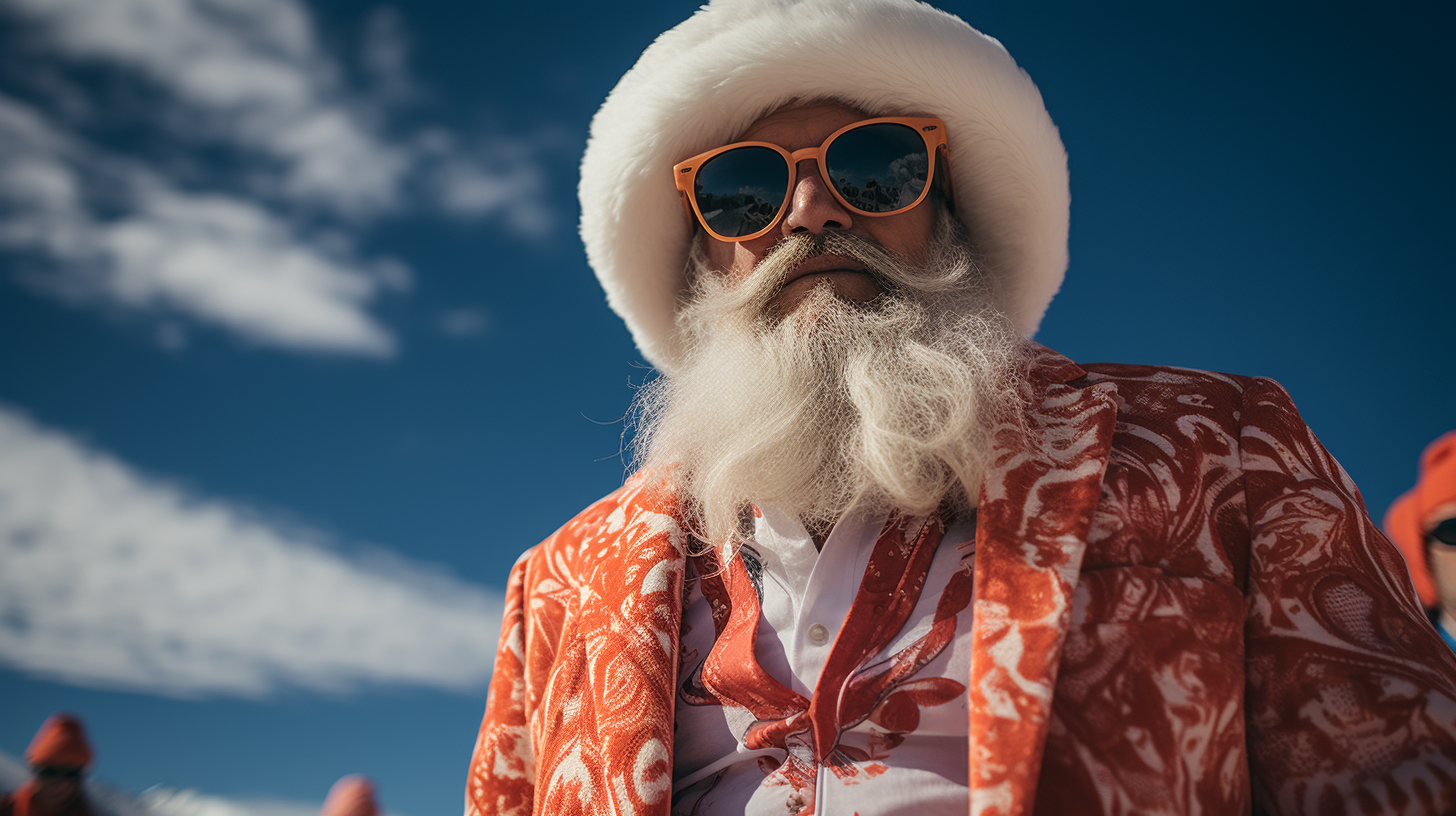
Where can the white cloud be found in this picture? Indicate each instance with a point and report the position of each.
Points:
(112, 578)
(236, 244)
(13, 772)
(161, 801)
(108, 800)
(235, 264)
(464, 184)
(464, 322)
(384, 53)
(256, 74)
(170, 337)
(219, 258)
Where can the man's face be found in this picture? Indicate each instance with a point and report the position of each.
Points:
(56, 787)
(1441, 558)
(813, 209)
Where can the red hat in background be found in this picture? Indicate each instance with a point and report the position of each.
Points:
(60, 742)
(351, 796)
(1409, 517)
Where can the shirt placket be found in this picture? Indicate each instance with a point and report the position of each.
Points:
(839, 584)
(825, 585)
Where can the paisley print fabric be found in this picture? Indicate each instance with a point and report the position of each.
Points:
(574, 719)
(1180, 606)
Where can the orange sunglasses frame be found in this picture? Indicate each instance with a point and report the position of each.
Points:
(931, 129)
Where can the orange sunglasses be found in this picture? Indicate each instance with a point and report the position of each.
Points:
(874, 167)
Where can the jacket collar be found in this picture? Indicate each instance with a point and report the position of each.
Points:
(1034, 511)
(1033, 515)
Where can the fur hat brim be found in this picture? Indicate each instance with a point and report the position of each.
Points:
(702, 83)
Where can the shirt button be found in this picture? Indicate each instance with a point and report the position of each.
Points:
(819, 633)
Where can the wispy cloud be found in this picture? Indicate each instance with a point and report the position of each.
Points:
(112, 578)
(463, 322)
(161, 801)
(220, 258)
(277, 155)
(108, 800)
(250, 72)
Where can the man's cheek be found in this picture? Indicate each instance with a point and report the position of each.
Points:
(1442, 561)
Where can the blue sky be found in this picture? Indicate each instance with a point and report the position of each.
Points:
(299, 349)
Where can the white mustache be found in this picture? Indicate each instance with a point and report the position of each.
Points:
(891, 401)
(892, 273)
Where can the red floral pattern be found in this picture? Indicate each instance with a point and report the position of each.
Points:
(850, 688)
(1181, 606)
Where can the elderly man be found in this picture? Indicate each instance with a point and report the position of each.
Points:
(884, 553)
(58, 755)
(1422, 523)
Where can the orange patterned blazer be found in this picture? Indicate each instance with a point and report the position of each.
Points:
(1181, 606)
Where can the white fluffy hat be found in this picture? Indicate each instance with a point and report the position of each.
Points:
(702, 83)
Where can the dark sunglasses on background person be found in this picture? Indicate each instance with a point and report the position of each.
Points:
(874, 167)
(52, 772)
(1444, 533)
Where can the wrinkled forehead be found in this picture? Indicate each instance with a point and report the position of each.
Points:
(809, 121)
(802, 120)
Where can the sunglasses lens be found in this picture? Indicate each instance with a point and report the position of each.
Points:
(1445, 532)
(740, 191)
(879, 168)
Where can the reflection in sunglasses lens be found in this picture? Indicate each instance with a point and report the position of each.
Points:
(879, 168)
(739, 192)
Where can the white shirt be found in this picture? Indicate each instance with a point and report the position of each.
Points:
(892, 706)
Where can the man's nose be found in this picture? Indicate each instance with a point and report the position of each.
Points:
(812, 206)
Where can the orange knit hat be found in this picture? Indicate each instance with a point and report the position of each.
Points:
(351, 796)
(60, 742)
(1409, 517)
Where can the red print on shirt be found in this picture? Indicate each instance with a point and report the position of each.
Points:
(852, 687)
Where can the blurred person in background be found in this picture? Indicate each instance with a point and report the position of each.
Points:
(352, 795)
(58, 756)
(885, 553)
(1422, 522)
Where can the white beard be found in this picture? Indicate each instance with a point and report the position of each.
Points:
(891, 403)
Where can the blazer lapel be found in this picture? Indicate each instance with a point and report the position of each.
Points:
(1034, 511)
